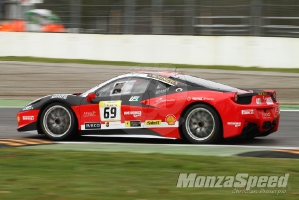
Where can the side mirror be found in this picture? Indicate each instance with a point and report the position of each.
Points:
(90, 97)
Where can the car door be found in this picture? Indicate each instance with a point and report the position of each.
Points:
(157, 110)
(133, 93)
(116, 106)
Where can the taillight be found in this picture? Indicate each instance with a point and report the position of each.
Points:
(234, 97)
(274, 95)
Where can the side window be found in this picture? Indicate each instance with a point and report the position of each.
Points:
(140, 85)
(117, 89)
(105, 91)
(161, 88)
(128, 87)
(114, 88)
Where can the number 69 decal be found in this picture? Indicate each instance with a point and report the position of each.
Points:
(110, 111)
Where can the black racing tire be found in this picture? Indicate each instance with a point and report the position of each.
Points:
(58, 122)
(201, 124)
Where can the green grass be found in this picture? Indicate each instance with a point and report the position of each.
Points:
(42, 174)
(122, 63)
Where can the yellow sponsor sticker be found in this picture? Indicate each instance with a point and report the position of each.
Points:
(165, 79)
(262, 93)
(152, 122)
(104, 104)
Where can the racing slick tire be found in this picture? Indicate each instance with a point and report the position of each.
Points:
(58, 122)
(201, 124)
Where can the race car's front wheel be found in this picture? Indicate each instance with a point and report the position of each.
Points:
(201, 124)
(58, 122)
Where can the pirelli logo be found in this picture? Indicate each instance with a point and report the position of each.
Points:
(152, 122)
(18, 142)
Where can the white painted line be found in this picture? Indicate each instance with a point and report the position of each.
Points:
(12, 106)
(131, 136)
(289, 110)
(181, 145)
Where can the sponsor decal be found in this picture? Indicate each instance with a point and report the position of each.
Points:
(182, 96)
(89, 114)
(202, 99)
(107, 124)
(247, 112)
(152, 122)
(266, 114)
(132, 123)
(134, 113)
(28, 108)
(160, 100)
(110, 110)
(179, 90)
(28, 118)
(244, 181)
(258, 101)
(236, 124)
(134, 98)
(170, 119)
(262, 93)
(162, 91)
(60, 96)
(163, 78)
(94, 125)
(268, 100)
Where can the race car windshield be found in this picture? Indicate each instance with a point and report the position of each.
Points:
(205, 83)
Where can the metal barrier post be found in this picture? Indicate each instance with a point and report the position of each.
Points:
(75, 20)
(129, 16)
(188, 17)
(256, 12)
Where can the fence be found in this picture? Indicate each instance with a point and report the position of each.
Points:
(178, 17)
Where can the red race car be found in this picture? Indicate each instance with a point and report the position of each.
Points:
(163, 104)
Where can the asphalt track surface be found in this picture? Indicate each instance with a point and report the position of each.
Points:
(286, 136)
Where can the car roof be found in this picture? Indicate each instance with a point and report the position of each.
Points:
(161, 73)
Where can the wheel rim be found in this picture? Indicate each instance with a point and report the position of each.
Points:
(57, 121)
(200, 124)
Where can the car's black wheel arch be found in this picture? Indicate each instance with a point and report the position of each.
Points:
(198, 103)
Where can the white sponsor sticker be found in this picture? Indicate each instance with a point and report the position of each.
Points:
(59, 96)
(89, 114)
(28, 108)
(258, 101)
(269, 101)
(134, 113)
(236, 124)
(247, 112)
(28, 118)
(202, 99)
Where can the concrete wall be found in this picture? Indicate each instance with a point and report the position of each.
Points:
(194, 50)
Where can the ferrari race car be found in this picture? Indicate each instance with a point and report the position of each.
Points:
(164, 104)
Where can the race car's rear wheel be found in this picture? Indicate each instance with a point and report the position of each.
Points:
(201, 124)
(58, 122)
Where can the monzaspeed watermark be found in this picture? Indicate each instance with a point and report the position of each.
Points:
(240, 180)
